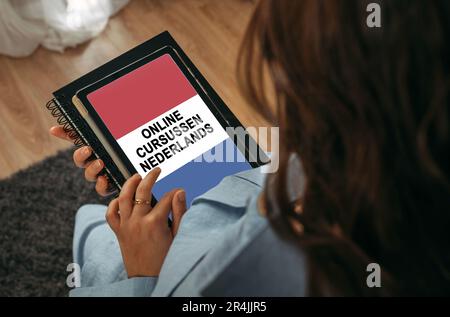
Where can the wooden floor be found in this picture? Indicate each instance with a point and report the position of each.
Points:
(209, 31)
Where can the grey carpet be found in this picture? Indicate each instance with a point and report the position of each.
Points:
(37, 209)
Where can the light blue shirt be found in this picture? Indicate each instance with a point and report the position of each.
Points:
(224, 247)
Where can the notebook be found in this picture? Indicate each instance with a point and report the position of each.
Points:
(151, 107)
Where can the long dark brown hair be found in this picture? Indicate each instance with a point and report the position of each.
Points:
(367, 112)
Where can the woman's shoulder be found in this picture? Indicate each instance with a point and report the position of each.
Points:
(268, 266)
(248, 259)
(263, 263)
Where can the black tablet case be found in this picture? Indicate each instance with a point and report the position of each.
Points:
(62, 108)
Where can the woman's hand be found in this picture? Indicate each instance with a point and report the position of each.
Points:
(91, 167)
(142, 231)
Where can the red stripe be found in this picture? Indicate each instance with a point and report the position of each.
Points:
(140, 96)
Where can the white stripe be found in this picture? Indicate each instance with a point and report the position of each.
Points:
(191, 107)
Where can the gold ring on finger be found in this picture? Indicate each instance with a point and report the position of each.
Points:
(142, 202)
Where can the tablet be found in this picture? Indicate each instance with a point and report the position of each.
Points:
(154, 113)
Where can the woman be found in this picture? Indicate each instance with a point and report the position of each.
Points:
(364, 175)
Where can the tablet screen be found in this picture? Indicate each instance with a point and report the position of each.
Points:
(159, 120)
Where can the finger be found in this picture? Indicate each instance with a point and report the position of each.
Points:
(112, 215)
(144, 191)
(102, 186)
(81, 155)
(162, 209)
(178, 210)
(126, 196)
(59, 132)
(92, 170)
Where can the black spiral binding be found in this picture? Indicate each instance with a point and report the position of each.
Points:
(62, 120)
(70, 130)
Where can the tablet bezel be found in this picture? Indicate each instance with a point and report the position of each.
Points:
(223, 115)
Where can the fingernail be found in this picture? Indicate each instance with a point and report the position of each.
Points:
(99, 164)
(182, 196)
(87, 151)
(158, 170)
(137, 175)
